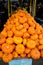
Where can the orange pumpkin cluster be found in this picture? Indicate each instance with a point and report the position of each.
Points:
(21, 37)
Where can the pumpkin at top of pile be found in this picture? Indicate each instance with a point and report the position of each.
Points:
(21, 37)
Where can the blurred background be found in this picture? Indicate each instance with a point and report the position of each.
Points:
(34, 7)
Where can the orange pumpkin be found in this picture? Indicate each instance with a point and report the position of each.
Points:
(35, 54)
(25, 25)
(15, 54)
(8, 26)
(10, 33)
(31, 30)
(13, 29)
(31, 23)
(4, 33)
(34, 37)
(6, 48)
(2, 39)
(22, 19)
(22, 13)
(15, 20)
(37, 42)
(23, 55)
(18, 33)
(7, 57)
(40, 36)
(9, 40)
(20, 48)
(19, 27)
(31, 44)
(24, 30)
(38, 26)
(26, 35)
(38, 31)
(17, 40)
(27, 50)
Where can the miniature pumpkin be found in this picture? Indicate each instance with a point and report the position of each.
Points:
(10, 33)
(37, 42)
(15, 20)
(38, 31)
(8, 26)
(35, 54)
(31, 23)
(40, 36)
(21, 13)
(25, 25)
(2, 39)
(31, 30)
(31, 44)
(24, 30)
(19, 27)
(23, 55)
(18, 33)
(26, 35)
(17, 40)
(34, 37)
(20, 48)
(22, 19)
(15, 54)
(6, 48)
(9, 40)
(7, 57)
(13, 29)
(27, 50)
(4, 33)
(38, 26)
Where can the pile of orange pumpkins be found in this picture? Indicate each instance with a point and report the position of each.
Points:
(21, 37)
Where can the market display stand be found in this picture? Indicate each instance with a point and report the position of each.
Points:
(37, 62)
(30, 62)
